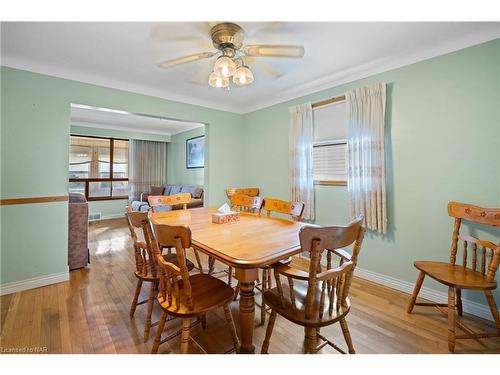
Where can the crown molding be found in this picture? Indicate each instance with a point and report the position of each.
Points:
(375, 67)
(330, 81)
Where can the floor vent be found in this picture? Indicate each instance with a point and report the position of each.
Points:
(94, 217)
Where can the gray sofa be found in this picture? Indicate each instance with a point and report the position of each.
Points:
(170, 189)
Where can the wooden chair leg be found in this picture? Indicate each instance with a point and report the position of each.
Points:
(451, 319)
(458, 293)
(232, 328)
(211, 262)
(493, 307)
(204, 321)
(263, 305)
(347, 335)
(161, 325)
(152, 295)
(269, 332)
(310, 340)
(136, 297)
(198, 261)
(416, 290)
(236, 291)
(185, 335)
(229, 276)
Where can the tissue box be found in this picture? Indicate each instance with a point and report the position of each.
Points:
(227, 217)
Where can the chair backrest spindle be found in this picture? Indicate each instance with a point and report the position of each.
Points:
(143, 253)
(334, 281)
(478, 215)
(171, 274)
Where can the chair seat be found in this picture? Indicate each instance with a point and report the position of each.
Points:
(208, 293)
(171, 258)
(455, 275)
(296, 312)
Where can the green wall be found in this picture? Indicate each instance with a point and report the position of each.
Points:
(442, 144)
(35, 128)
(177, 173)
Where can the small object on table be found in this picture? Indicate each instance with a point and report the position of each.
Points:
(225, 215)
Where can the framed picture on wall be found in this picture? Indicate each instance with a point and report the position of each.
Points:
(195, 152)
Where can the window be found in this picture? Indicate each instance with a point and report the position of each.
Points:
(329, 147)
(98, 167)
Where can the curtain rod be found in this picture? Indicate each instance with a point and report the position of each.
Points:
(328, 101)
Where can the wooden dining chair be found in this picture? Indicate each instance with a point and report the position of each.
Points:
(182, 295)
(246, 203)
(251, 192)
(146, 267)
(318, 296)
(156, 201)
(294, 209)
(474, 273)
(270, 206)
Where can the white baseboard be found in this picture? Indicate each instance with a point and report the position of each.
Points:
(470, 307)
(108, 217)
(114, 216)
(36, 282)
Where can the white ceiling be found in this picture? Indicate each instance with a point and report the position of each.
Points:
(125, 55)
(121, 120)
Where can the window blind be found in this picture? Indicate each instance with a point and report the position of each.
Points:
(329, 163)
(329, 148)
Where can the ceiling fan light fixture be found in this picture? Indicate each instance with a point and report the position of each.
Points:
(217, 81)
(243, 76)
(224, 67)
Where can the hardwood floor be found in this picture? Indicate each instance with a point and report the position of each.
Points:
(90, 314)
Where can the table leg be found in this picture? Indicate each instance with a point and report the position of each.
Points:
(247, 279)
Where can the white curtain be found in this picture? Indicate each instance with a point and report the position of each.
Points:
(147, 166)
(366, 155)
(300, 157)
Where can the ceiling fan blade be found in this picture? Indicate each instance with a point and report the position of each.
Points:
(201, 76)
(267, 69)
(186, 59)
(262, 67)
(271, 50)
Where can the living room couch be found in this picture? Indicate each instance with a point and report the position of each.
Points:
(171, 189)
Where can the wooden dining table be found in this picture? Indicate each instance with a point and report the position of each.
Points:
(248, 244)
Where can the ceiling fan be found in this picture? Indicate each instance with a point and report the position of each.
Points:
(228, 38)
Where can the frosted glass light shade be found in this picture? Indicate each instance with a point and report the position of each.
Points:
(224, 66)
(215, 80)
(243, 76)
